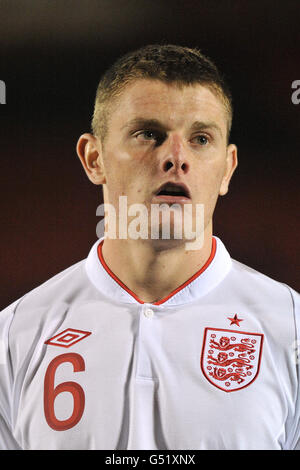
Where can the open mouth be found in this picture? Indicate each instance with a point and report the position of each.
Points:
(173, 191)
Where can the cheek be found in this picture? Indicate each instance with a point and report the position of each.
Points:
(125, 175)
(115, 176)
(116, 165)
(118, 159)
(209, 179)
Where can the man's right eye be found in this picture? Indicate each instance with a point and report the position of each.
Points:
(150, 136)
(146, 135)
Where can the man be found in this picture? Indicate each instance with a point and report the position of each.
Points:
(154, 341)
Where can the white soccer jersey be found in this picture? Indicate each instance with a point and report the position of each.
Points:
(85, 364)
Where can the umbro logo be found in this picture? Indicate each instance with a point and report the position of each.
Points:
(68, 337)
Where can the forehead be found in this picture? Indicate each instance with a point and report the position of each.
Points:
(175, 105)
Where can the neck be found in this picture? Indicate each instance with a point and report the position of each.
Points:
(153, 271)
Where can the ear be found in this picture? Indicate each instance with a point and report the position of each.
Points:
(231, 164)
(89, 151)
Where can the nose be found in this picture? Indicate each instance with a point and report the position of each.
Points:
(173, 157)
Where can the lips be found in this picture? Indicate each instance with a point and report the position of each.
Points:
(173, 191)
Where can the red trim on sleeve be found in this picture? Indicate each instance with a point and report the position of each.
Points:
(182, 286)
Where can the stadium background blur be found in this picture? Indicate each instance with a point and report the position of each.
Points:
(52, 55)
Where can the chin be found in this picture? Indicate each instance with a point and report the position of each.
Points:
(166, 237)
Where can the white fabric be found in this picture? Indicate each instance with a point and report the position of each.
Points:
(135, 381)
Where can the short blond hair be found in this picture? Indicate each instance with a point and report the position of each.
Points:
(169, 63)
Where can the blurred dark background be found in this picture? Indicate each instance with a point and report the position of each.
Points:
(52, 54)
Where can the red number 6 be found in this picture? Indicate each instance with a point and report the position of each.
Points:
(50, 393)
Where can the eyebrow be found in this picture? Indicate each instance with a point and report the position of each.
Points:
(200, 125)
(142, 122)
(196, 126)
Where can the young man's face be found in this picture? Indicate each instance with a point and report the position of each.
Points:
(159, 133)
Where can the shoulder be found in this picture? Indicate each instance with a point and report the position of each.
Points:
(255, 285)
(47, 292)
(68, 286)
(41, 310)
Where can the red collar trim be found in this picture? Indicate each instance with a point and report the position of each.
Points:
(182, 286)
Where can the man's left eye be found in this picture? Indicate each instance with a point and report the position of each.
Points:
(201, 139)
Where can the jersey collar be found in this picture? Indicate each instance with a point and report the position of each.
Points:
(206, 279)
